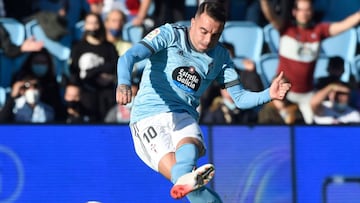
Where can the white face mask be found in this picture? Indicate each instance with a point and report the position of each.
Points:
(32, 96)
(340, 107)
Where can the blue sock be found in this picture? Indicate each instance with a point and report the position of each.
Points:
(202, 195)
(186, 158)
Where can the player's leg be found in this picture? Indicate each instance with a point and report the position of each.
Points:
(188, 180)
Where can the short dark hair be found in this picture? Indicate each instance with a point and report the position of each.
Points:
(215, 9)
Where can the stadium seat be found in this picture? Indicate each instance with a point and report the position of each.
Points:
(247, 38)
(271, 38)
(356, 66)
(343, 45)
(184, 22)
(267, 68)
(15, 28)
(56, 48)
(8, 65)
(59, 49)
(321, 67)
(2, 96)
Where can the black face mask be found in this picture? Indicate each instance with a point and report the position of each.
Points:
(73, 104)
(93, 33)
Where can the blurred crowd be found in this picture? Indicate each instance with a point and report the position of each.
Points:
(86, 91)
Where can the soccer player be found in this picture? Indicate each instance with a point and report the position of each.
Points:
(182, 64)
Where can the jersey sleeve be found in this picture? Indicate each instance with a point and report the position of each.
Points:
(159, 38)
(324, 29)
(228, 76)
(246, 99)
(126, 62)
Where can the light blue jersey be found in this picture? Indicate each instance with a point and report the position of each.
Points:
(177, 75)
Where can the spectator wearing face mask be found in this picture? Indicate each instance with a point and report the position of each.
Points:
(75, 112)
(96, 6)
(40, 64)
(24, 105)
(223, 110)
(114, 23)
(93, 59)
(331, 105)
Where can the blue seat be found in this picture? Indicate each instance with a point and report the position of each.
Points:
(56, 48)
(2, 96)
(247, 38)
(8, 65)
(343, 45)
(133, 33)
(269, 63)
(184, 22)
(356, 66)
(272, 38)
(15, 28)
(267, 68)
(60, 50)
(321, 67)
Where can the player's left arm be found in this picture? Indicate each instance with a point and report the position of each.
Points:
(246, 99)
(341, 26)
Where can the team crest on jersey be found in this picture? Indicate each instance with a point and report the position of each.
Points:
(152, 34)
(187, 79)
(181, 52)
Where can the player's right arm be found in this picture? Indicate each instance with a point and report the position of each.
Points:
(269, 13)
(125, 66)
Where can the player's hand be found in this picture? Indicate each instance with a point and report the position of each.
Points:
(123, 94)
(279, 87)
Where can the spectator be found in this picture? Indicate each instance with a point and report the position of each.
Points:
(93, 59)
(278, 112)
(335, 69)
(24, 104)
(96, 6)
(253, 13)
(136, 11)
(75, 112)
(224, 111)
(121, 113)
(168, 11)
(12, 50)
(299, 48)
(40, 65)
(331, 105)
(114, 23)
